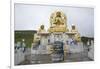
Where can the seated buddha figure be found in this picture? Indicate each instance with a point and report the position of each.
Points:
(58, 19)
(73, 28)
(41, 29)
(58, 22)
(77, 35)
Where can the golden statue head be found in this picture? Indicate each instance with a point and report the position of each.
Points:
(58, 14)
(73, 27)
(42, 27)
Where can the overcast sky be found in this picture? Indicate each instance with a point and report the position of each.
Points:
(30, 17)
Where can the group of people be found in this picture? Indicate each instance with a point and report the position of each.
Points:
(20, 46)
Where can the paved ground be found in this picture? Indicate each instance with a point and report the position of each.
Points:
(77, 57)
(40, 59)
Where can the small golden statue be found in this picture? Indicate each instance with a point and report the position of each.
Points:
(77, 35)
(41, 29)
(73, 28)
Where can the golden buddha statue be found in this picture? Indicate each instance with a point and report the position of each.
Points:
(58, 22)
(73, 28)
(41, 29)
(77, 35)
(58, 19)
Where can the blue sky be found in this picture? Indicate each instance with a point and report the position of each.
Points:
(30, 17)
